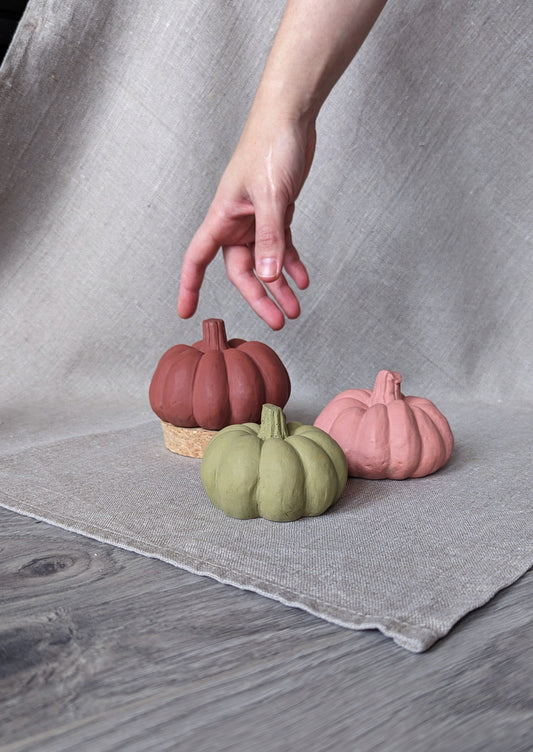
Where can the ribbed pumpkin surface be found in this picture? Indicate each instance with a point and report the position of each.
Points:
(215, 382)
(387, 435)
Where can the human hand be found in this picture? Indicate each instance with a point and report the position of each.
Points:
(250, 219)
(251, 213)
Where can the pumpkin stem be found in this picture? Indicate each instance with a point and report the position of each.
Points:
(273, 424)
(214, 333)
(387, 388)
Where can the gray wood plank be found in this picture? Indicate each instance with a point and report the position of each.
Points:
(102, 649)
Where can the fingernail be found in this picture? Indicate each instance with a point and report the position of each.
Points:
(267, 267)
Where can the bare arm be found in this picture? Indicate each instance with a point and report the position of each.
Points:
(315, 43)
(252, 210)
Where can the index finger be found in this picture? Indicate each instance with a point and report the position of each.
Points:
(201, 251)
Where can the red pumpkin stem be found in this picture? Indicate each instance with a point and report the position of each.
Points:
(273, 425)
(387, 388)
(214, 333)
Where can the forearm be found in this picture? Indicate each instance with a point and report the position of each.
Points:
(251, 213)
(315, 43)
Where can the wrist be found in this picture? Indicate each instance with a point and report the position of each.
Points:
(286, 101)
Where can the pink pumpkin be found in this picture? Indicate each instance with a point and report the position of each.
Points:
(387, 435)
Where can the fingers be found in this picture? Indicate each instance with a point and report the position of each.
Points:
(201, 251)
(269, 240)
(294, 265)
(273, 249)
(285, 297)
(254, 263)
(240, 270)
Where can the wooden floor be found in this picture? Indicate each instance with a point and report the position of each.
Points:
(105, 650)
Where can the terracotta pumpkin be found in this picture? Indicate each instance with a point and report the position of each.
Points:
(276, 470)
(215, 382)
(387, 435)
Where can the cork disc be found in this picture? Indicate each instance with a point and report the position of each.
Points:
(190, 442)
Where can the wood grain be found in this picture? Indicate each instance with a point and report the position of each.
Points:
(105, 650)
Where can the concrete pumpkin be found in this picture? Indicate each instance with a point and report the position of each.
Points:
(215, 382)
(387, 435)
(276, 470)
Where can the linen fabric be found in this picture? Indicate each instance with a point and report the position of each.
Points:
(415, 225)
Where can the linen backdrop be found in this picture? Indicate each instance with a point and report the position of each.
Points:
(116, 121)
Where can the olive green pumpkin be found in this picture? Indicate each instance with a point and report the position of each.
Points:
(276, 470)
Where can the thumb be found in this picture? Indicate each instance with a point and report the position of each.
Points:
(270, 243)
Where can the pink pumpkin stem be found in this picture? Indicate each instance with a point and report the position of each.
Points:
(387, 388)
(214, 334)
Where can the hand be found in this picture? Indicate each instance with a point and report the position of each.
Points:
(251, 214)
(250, 219)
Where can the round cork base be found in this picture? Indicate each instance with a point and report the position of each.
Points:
(190, 442)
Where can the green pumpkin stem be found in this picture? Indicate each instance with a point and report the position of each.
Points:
(387, 388)
(273, 424)
(214, 333)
